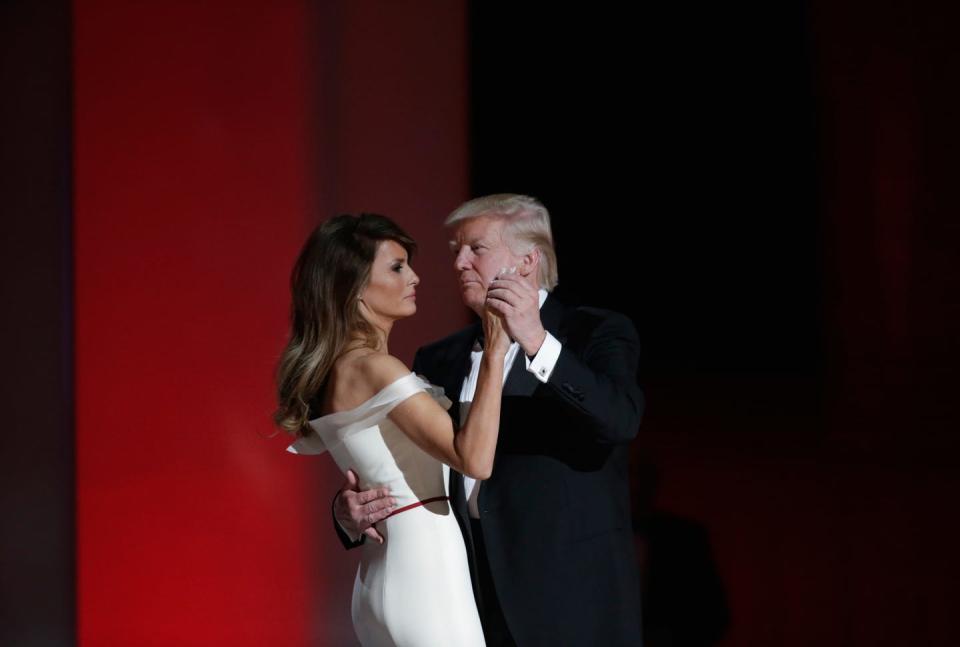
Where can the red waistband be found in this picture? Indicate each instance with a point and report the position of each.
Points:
(417, 505)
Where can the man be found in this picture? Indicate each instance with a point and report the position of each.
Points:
(548, 534)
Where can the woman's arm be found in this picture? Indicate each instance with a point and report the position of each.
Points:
(469, 450)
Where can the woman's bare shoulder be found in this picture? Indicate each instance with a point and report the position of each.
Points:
(380, 370)
(357, 376)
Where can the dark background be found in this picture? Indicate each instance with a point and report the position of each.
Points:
(37, 561)
(768, 189)
(765, 188)
(677, 149)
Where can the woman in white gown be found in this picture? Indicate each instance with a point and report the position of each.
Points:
(340, 391)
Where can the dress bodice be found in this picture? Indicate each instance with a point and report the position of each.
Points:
(365, 440)
(412, 590)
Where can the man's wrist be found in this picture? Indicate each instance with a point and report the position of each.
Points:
(532, 351)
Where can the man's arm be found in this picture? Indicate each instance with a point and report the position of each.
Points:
(601, 383)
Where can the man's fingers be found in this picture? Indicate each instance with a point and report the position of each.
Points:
(370, 513)
(352, 481)
(503, 295)
(379, 509)
(499, 306)
(368, 496)
(374, 517)
(519, 300)
(374, 535)
(512, 283)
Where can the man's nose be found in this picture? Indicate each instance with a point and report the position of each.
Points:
(462, 260)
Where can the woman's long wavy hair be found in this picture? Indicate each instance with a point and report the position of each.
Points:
(326, 284)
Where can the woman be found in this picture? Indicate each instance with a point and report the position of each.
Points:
(341, 391)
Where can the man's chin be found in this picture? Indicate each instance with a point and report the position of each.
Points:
(476, 307)
(472, 298)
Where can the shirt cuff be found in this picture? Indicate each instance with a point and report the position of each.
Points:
(546, 358)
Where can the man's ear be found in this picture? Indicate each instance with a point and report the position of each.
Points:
(529, 262)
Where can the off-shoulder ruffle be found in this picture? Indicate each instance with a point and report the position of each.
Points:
(336, 427)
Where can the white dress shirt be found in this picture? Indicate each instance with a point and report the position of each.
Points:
(541, 366)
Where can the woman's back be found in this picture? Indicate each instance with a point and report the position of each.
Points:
(349, 383)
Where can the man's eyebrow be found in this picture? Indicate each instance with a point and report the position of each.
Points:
(473, 240)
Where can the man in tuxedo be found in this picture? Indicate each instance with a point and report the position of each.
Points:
(548, 534)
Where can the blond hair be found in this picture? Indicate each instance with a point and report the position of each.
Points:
(527, 227)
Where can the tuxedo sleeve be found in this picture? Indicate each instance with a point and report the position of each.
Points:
(600, 383)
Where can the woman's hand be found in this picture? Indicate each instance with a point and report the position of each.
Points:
(516, 299)
(496, 339)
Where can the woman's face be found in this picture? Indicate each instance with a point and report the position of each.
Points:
(391, 292)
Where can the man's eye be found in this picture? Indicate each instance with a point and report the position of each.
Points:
(397, 268)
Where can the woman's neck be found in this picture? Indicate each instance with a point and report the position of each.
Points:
(381, 330)
(380, 342)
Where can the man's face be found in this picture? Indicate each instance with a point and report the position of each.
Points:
(480, 254)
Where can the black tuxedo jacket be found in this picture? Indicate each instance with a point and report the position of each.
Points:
(555, 512)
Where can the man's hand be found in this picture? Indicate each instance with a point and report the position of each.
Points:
(512, 297)
(357, 510)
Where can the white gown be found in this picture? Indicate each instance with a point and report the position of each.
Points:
(413, 590)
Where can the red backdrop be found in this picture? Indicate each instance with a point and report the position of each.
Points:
(209, 136)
